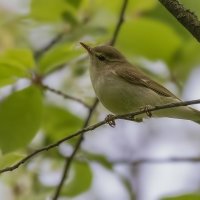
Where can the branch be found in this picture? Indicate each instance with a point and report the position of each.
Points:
(119, 23)
(78, 144)
(65, 96)
(57, 39)
(187, 18)
(158, 160)
(94, 126)
(69, 160)
(159, 107)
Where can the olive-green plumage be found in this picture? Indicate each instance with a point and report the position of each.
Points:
(123, 88)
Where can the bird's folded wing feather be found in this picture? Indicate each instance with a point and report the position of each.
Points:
(136, 77)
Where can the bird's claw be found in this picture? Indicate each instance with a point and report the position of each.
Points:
(146, 109)
(110, 120)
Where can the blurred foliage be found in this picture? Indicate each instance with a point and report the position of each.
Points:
(10, 159)
(147, 42)
(57, 56)
(184, 197)
(100, 159)
(149, 32)
(14, 64)
(54, 11)
(60, 121)
(20, 116)
(81, 181)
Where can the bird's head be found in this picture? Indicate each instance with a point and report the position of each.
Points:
(104, 55)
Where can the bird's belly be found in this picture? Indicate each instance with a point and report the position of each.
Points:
(120, 97)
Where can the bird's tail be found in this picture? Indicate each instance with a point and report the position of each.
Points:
(183, 112)
(196, 113)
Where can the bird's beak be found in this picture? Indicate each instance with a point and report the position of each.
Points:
(88, 48)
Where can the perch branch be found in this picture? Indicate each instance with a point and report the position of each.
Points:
(93, 127)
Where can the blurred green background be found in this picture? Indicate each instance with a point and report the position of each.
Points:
(31, 117)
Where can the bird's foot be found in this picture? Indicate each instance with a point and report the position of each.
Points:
(146, 109)
(110, 120)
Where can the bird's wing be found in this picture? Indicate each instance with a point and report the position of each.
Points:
(136, 77)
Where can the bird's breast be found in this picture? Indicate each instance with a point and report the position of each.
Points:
(117, 95)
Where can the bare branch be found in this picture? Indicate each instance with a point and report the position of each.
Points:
(69, 160)
(187, 18)
(65, 96)
(57, 39)
(141, 161)
(119, 23)
(159, 107)
(94, 126)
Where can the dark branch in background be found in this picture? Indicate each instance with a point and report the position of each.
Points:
(69, 160)
(57, 39)
(94, 126)
(187, 18)
(140, 161)
(65, 96)
(78, 144)
(119, 24)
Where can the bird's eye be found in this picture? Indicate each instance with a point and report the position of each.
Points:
(101, 57)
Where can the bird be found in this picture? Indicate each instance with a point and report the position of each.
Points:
(124, 88)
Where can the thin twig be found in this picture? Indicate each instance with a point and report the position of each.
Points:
(94, 126)
(39, 53)
(48, 147)
(187, 18)
(69, 160)
(119, 23)
(140, 161)
(78, 144)
(65, 96)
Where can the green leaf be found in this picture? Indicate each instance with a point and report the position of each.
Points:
(48, 10)
(70, 18)
(9, 73)
(184, 197)
(22, 57)
(107, 5)
(100, 159)
(148, 38)
(187, 58)
(74, 3)
(14, 64)
(80, 181)
(10, 159)
(57, 56)
(20, 117)
(135, 6)
(138, 6)
(58, 122)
